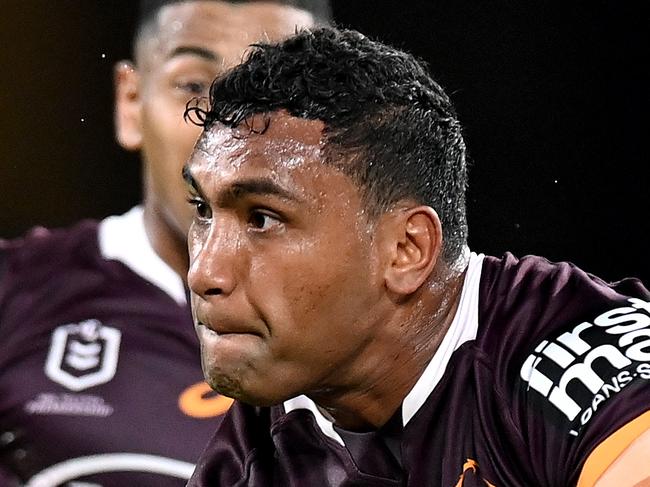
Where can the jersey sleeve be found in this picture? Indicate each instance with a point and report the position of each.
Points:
(4, 251)
(609, 450)
(4, 257)
(575, 364)
(8, 249)
(24, 264)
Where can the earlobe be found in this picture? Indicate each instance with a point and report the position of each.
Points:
(416, 247)
(128, 106)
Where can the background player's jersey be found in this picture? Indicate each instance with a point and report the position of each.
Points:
(100, 376)
(542, 363)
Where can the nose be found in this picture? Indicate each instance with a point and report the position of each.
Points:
(213, 257)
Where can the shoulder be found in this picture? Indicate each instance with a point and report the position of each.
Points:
(40, 264)
(536, 315)
(43, 251)
(568, 350)
(43, 245)
(534, 298)
(535, 278)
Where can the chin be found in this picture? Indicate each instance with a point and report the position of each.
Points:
(224, 385)
(233, 388)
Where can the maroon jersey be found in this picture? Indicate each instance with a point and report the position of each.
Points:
(100, 376)
(542, 363)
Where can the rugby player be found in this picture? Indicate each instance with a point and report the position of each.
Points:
(336, 299)
(100, 377)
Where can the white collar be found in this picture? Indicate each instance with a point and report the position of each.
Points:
(463, 328)
(123, 238)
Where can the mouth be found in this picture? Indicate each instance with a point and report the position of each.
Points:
(221, 329)
(226, 343)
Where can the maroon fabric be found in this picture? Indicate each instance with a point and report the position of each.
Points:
(56, 278)
(484, 422)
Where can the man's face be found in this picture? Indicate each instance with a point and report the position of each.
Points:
(189, 46)
(283, 272)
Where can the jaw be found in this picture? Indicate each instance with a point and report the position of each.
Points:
(386, 370)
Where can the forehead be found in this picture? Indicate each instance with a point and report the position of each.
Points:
(227, 29)
(288, 152)
(288, 142)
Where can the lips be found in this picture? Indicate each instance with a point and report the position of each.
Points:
(225, 326)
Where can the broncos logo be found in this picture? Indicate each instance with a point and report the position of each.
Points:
(199, 401)
(470, 467)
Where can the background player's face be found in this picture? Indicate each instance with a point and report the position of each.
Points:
(191, 44)
(283, 263)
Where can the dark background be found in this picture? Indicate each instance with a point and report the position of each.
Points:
(553, 96)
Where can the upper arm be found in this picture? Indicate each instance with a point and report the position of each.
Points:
(622, 459)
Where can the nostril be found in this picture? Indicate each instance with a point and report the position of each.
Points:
(215, 291)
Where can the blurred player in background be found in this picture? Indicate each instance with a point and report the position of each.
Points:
(100, 379)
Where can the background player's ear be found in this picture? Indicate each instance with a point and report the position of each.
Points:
(128, 130)
(417, 242)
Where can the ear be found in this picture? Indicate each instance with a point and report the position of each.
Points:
(128, 106)
(415, 244)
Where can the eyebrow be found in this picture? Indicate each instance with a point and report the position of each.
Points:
(253, 186)
(201, 52)
(262, 187)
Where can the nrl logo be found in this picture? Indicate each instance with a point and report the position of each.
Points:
(83, 355)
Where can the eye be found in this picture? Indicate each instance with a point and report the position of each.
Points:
(192, 87)
(201, 208)
(264, 221)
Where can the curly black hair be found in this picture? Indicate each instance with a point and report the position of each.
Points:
(388, 124)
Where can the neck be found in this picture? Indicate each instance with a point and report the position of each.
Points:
(396, 359)
(170, 246)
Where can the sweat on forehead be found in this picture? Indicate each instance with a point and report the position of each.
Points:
(287, 154)
(278, 130)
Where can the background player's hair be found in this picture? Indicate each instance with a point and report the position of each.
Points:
(320, 9)
(388, 124)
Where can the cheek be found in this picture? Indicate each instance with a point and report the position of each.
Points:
(312, 288)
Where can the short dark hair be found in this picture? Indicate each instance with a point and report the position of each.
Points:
(388, 124)
(320, 10)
